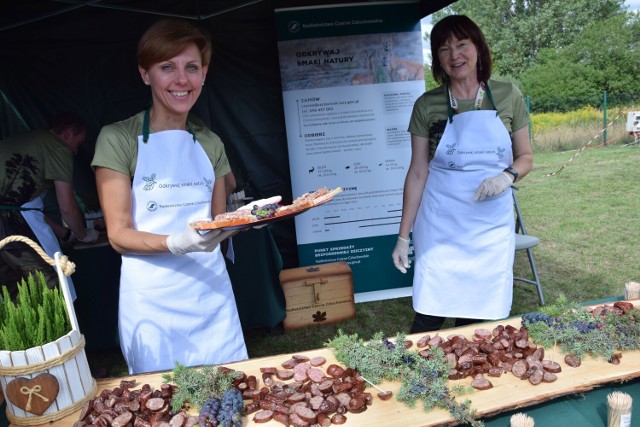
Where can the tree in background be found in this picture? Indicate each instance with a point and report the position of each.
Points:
(559, 48)
(604, 57)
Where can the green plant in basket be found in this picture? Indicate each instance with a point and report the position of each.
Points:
(37, 317)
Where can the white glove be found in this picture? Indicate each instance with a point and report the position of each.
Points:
(190, 240)
(493, 186)
(92, 236)
(400, 255)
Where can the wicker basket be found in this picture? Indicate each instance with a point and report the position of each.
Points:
(46, 383)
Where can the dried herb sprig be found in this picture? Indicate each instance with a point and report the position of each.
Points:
(575, 330)
(421, 378)
(196, 385)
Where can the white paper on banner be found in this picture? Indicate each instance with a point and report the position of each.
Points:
(355, 138)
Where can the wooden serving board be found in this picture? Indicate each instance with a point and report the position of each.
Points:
(508, 392)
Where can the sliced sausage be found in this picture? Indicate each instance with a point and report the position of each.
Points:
(328, 407)
(356, 403)
(289, 363)
(297, 397)
(519, 368)
(494, 371)
(338, 419)
(281, 418)
(572, 360)
(385, 395)
(323, 420)
(263, 416)
(296, 421)
(422, 342)
(316, 375)
(335, 371)
(536, 376)
(481, 383)
(178, 420)
(155, 403)
(317, 361)
(315, 402)
(482, 333)
(326, 385)
(551, 366)
(306, 414)
(284, 375)
(122, 420)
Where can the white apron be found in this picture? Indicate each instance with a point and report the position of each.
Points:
(34, 217)
(175, 308)
(465, 248)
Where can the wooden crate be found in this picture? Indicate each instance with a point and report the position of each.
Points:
(318, 294)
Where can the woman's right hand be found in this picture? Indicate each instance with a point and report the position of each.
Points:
(400, 255)
(190, 240)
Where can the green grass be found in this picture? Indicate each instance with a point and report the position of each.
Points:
(587, 218)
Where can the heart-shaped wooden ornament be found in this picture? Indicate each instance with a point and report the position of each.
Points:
(34, 395)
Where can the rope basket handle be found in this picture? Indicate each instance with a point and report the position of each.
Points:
(63, 267)
(68, 267)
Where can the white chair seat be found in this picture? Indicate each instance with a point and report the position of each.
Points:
(524, 241)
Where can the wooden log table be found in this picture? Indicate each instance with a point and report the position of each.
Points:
(508, 392)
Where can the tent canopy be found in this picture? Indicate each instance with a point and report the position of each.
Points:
(80, 55)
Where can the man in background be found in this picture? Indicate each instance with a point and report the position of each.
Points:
(31, 164)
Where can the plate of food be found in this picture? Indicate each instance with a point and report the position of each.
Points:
(259, 212)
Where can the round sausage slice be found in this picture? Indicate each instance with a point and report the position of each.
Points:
(263, 416)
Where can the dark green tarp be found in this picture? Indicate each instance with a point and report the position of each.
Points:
(80, 56)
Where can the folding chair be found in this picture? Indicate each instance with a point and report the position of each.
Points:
(526, 242)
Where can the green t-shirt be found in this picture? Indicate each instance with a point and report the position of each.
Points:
(429, 115)
(117, 146)
(31, 162)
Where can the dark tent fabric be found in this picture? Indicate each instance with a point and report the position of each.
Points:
(80, 56)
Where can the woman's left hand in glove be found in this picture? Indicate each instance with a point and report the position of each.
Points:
(493, 186)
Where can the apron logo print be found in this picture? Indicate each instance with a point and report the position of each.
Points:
(208, 183)
(150, 182)
(451, 148)
(152, 206)
(500, 152)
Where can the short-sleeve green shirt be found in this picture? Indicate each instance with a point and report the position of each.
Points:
(117, 146)
(429, 115)
(31, 162)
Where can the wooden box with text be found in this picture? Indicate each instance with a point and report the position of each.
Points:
(318, 294)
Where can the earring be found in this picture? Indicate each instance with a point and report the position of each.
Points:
(479, 64)
(146, 82)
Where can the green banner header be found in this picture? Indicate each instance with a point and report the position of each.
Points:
(367, 18)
